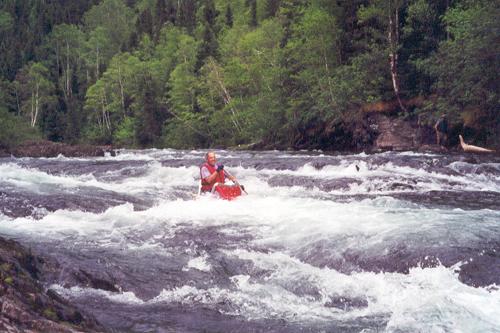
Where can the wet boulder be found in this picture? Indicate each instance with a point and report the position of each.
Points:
(24, 303)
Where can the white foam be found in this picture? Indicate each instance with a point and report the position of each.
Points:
(272, 216)
(32, 179)
(291, 219)
(200, 263)
(418, 301)
(81, 292)
(421, 301)
(159, 180)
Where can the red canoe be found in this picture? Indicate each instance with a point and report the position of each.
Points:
(225, 191)
(228, 192)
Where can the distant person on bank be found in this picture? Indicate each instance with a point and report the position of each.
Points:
(212, 173)
(441, 128)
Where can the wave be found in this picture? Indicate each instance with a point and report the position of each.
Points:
(294, 291)
(394, 242)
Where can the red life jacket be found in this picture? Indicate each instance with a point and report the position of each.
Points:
(207, 186)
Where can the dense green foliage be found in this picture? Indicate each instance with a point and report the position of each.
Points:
(13, 128)
(200, 73)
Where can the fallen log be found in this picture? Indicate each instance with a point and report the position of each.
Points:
(473, 149)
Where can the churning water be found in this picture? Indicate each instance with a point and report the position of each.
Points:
(391, 242)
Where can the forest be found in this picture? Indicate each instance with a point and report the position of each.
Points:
(222, 73)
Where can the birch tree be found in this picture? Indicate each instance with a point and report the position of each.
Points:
(97, 103)
(109, 26)
(66, 43)
(386, 13)
(36, 90)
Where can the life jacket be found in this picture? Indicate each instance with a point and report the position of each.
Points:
(207, 186)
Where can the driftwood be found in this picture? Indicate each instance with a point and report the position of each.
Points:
(472, 148)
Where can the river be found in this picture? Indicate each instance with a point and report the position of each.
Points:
(388, 242)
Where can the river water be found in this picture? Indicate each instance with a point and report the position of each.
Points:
(389, 242)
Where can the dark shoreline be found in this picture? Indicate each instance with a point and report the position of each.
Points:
(48, 149)
(377, 133)
(45, 148)
(26, 305)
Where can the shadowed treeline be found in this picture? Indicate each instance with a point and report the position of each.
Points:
(194, 73)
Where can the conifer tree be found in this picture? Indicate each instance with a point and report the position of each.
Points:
(271, 8)
(160, 14)
(209, 45)
(164, 12)
(210, 13)
(145, 23)
(253, 13)
(229, 16)
(186, 14)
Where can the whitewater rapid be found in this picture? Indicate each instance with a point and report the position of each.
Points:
(390, 242)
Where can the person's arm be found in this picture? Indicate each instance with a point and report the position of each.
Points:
(207, 177)
(230, 177)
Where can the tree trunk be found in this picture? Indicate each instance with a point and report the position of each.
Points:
(105, 112)
(97, 63)
(57, 58)
(120, 81)
(37, 98)
(393, 55)
(226, 97)
(32, 114)
(17, 102)
(327, 69)
(68, 85)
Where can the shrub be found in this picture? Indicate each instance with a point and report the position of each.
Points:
(14, 130)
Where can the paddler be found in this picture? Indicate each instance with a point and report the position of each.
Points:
(212, 173)
(441, 128)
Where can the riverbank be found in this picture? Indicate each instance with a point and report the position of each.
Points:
(25, 304)
(377, 132)
(45, 148)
